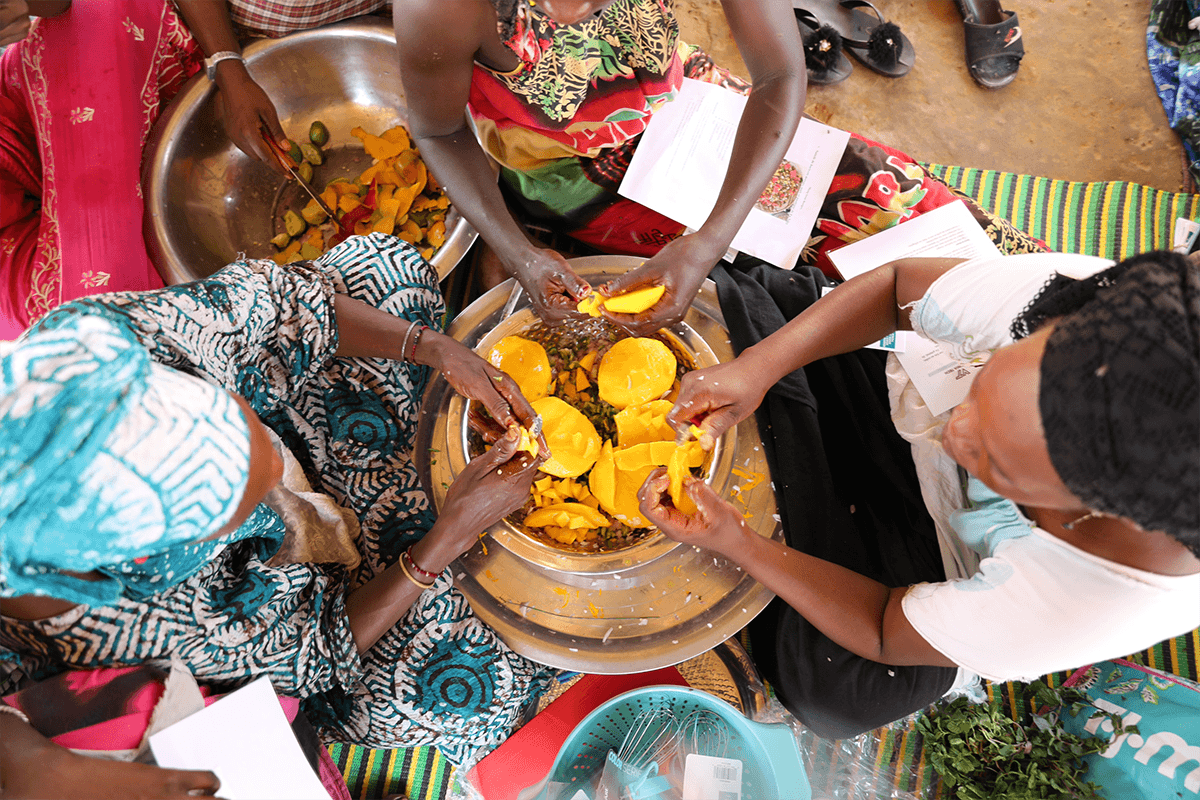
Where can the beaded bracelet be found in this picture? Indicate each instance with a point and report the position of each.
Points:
(16, 712)
(416, 570)
(407, 574)
(417, 339)
(407, 333)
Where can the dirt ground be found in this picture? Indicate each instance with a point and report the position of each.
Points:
(1083, 106)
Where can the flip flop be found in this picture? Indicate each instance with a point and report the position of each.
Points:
(823, 51)
(994, 46)
(877, 43)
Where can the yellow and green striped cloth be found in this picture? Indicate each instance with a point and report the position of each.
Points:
(1115, 220)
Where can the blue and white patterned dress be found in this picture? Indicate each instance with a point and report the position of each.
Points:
(267, 332)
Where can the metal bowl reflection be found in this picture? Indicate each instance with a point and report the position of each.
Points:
(207, 201)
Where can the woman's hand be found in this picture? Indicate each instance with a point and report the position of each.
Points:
(716, 399)
(32, 766)
(716, 525)
(681, 268)
(553, 286)
(475, 379)
(248, 110)
(492, 486)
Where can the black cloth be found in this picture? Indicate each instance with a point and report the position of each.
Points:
(848, 493)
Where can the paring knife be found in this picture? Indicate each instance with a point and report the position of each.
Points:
(286, 162)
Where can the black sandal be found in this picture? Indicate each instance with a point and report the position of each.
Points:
(823, 52)
(877, 43)
(994, 45)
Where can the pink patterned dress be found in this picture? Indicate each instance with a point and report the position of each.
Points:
(78, 98)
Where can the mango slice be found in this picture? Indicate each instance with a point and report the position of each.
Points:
(684, 457)
(573, 441)
(528, 443)
(635, 371)
(525, 362)
(644, 423)
(566, 515)
(634, 302)
(602, 480)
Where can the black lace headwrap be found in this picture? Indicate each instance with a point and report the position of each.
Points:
(1120, 389)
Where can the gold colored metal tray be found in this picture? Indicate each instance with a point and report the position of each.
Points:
(651, 605)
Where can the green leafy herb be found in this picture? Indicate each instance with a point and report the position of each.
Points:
(983, 754)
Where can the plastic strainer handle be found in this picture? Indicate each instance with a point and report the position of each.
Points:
(780, 744)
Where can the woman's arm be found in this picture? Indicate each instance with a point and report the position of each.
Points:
(861, 311)
(368, 332)
(15, 14)
(31, 766)
(438, 42)
(861, 614)
(769, 41)
(245, 105)
(491, 487)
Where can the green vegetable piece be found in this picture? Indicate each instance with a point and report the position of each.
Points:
(305, 171)
(313, 214)
(318, 134)
(295, 153)
(312, 154)
(281, 241)
(308, 252)
(293, 224)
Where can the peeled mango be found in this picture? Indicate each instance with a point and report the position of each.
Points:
(634, 302)
(572, 439)
(635, 371)
(526, 363)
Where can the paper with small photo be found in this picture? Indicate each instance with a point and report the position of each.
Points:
(246, 740)
(947, 232)
(683, 156)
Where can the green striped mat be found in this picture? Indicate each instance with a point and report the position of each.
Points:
(422, 773)
(1114, 220)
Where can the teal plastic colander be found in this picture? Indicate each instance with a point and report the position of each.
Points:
(771, 765)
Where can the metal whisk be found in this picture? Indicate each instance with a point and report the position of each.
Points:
(704, 733)
(653, 735)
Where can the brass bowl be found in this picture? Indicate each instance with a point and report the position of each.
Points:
(207, 202)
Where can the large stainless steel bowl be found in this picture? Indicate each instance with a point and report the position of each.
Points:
(650, 605)
(207, 201)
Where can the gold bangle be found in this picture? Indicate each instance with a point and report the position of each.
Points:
(415, 582)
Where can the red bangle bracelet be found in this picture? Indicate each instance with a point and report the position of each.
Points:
(412, 565)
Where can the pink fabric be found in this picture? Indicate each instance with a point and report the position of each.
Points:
(84, 89)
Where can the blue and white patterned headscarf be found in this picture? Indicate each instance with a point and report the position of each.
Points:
(106, 456)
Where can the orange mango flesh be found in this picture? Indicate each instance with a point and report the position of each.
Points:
(525, 362)
(572, 439)
(635, 371)
(634, 302)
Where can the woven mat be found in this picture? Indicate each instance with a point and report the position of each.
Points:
(1114, 220)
